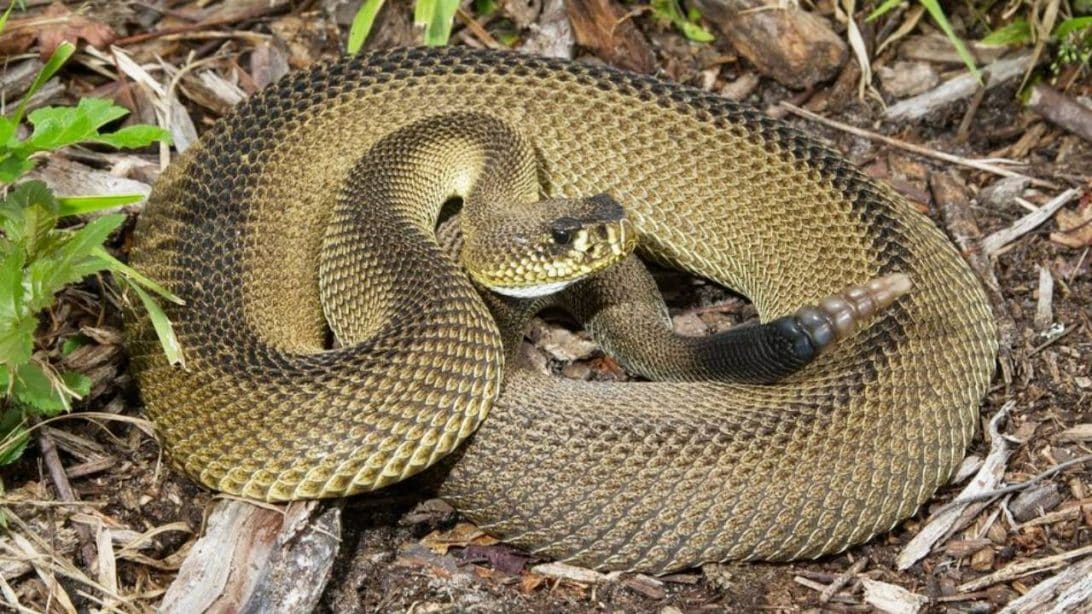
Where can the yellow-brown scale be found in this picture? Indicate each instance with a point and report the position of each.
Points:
(651, 476)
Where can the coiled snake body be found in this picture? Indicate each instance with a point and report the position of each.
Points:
(652, 476)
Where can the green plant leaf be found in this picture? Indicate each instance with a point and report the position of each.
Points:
(56, 127)
(29, 215)
(436, 17)
(937, 13)
(668, 10)
(73, 343)
(163, 328)
(70, 261)
(17, 324)
(1072, 25)
(140, 135)
(58, 59)
(132, 275)
(1017, 32)
(485, 8)
(38, 392)
(362, 25)
(7, 131)
(13, 167)
(17, 339)
(7, 13)
(80, 205)
(884, 8)
(14, 435)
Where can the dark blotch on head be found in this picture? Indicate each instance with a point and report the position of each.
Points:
(606, 209)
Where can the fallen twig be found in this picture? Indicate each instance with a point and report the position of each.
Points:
(1044, 306)
(1065, 592)
(989, 166)
(64, 490)
(993, 243)
(1017, 570)
(991, 472)
(958, 88)
(843, 579)
(990, 494)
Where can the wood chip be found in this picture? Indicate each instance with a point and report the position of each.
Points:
(65, 176)
(1003, 192)
(552, 36)
(1044, 306)
(570, 572)
(891, 598)
(257, 558)
(107, 563)
(1034, 501)
(1061, 110)
(1080, 432)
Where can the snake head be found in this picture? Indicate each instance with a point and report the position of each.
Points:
(550, 245)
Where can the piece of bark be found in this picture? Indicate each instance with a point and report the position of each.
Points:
(65, 176)
(1023, 568)
(605, 27)
(740, 88)
(1068, 591)
(552, 35)
(797, 48)
(268, 63)
(1061, 110)
(258, 559)
(937, 49)
(1044, 312)
(1003, 192)
(1034, 501)
(570, 572)
(892, 598)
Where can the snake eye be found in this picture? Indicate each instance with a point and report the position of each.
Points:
(563, 230)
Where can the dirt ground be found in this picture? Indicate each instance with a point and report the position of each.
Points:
(130, 519)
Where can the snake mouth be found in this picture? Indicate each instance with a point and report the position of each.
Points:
(588, 249)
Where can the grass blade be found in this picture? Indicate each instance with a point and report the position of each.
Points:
(163, 328)
(362, 25)
(942, 20)
(79, 205)
(56, 61)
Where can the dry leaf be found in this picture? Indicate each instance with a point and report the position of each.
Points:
(459, 536)
(1074, 227)
(64, 25)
